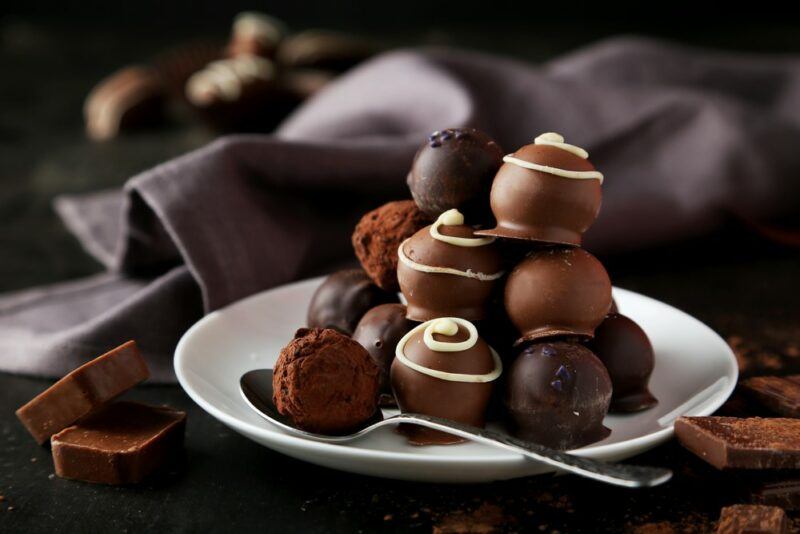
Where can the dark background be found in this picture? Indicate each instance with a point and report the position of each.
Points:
(52, 53)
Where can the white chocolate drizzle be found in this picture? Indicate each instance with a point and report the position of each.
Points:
(556, 140)
(226, 77)
(447, 326)
(444, 270)
(454, 217)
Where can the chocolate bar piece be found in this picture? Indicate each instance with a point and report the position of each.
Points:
(752, 519)
(750, 443)
(778, 492)
(122, 443)
(781, 394)
(83, 390)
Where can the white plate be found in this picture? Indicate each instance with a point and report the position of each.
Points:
(695, 373)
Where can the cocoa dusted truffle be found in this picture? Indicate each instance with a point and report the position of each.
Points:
(325, 382)
(379, 233)
(557, 292)
(547, 191)
(379, 331)
(557, 394)
(444, 270)
(627, 353)
(343, 298)
(443, 368)
(454, 169)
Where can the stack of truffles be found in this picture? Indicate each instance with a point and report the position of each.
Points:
(505, 316)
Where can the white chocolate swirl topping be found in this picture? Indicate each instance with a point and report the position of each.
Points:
(454, 217)
(556, 140)
(447, 326)
(411, 264)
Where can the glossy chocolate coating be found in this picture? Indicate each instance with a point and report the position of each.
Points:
(465, 402)
(553, 292)
(379, 331)
(557, 394)
(627, 353)
(454, 168)
(343, 298)
(432, 295)
(540, 206)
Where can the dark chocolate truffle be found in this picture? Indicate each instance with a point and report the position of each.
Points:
(444, 270)
(379, 331)
(454, 169)
(557, 395)
(627, 353)
(547, 191)
(343, 298)
(379, 233)
(325, 382)
(443, 368)
(557, 292)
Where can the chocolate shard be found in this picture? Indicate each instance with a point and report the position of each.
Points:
(122, 443)
(780, 394)
(734, 443)
(752, 519)
(83, 390)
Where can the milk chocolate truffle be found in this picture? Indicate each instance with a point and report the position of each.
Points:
(444, 270)
(547, 191)
(325, 382)
(443, 368)
(343, 298)
(557, 394)
(378, 235)
(556, 292)
(379, 331)
(627, 353)
(454, 169)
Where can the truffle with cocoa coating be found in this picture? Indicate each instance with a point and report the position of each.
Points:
(325, 382)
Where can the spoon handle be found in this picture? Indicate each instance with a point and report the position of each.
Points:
(631, 476)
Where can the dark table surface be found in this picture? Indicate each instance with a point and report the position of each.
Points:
(741, 285)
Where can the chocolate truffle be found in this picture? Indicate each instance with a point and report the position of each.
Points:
(343, 298)
(627, 353)
(378, 235)
(547, 191)
(555, 292)
(325, 382)
(444, 270)
(255, 34)
(443, 368)
(379, 331)
(454, 168)
(557, 394)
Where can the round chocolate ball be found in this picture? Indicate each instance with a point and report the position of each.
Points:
(325, 382)
(443, 368)
(379, 331)
(557, 394)
(454, 168)
(553, 292)
(379, 233)
(627, 353)
(547, 191)
(445, 270)
(343, 298)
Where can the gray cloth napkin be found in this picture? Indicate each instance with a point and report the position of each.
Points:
(684, 137)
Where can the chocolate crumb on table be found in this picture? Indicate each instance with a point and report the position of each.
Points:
(743, 443)
(752, 519)
(780, 394)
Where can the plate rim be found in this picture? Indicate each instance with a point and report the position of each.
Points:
(275, 436)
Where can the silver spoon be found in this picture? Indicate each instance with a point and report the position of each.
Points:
(256, 388)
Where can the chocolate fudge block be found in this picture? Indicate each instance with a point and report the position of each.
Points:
(750, 443)
(780, 394)
(83, 390)
(752, 519)
(122, 443)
